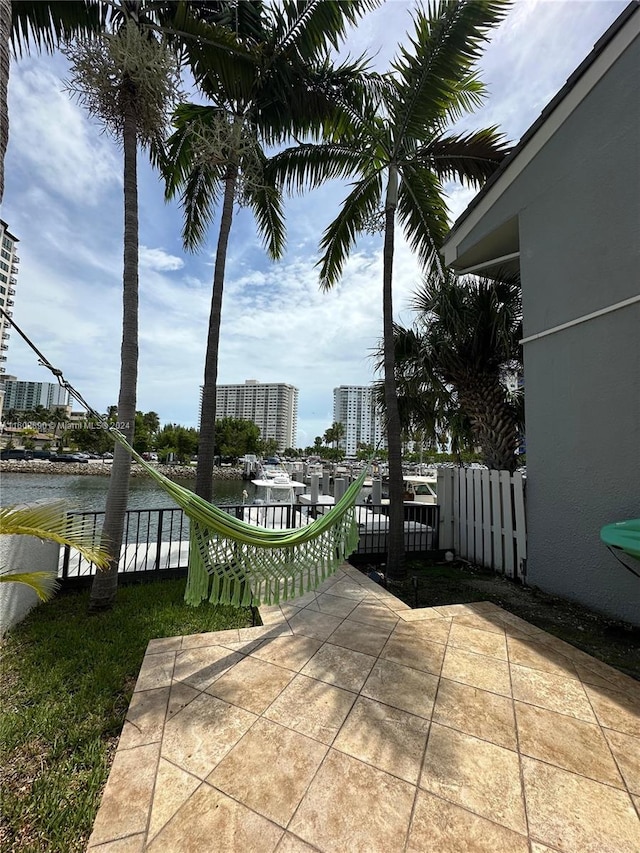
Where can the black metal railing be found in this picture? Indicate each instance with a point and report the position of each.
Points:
(156, 541)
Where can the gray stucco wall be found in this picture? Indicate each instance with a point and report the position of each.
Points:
(578, 205)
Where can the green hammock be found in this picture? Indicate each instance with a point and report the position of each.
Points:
(233, 562)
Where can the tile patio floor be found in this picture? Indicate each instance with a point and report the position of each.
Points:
(349, 722)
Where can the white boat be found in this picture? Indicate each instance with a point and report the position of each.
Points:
(421, 489)
(277, 489)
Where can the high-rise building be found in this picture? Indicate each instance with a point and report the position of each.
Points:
(24, 396)
(273, 407)
(354, 406)
(9, 261)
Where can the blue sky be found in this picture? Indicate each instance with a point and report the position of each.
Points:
(63, 200)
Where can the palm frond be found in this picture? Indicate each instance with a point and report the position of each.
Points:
(51, 522)
(360, 205)
(423, 213)
(46, 23)
(470, 158)
(446, 43)
(308, 166)
(266, 204)
(213, 49)
(44, 584)
(309, 27)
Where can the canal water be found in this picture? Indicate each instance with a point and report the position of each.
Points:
(84, 492)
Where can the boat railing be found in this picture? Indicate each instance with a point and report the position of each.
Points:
(156, 541)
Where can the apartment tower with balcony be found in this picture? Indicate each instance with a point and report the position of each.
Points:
(273, 407)
(354, 406)
(9, 261)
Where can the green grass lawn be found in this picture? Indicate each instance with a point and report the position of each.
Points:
(66, 683)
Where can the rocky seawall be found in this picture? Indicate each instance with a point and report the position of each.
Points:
(97, 468)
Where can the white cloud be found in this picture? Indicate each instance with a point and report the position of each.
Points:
(158, 259)
(64, 201)
(51, 139)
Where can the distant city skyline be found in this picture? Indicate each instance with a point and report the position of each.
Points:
(63, 201)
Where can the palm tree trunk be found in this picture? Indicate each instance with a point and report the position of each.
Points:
(105, 582)
(206, 444)
(493, 420)
(5, 32)
(396, 569)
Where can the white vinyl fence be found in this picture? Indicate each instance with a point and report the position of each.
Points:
(482, 517)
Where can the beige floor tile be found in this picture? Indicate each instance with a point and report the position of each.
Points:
(380, 594)
(374, 614)
(292, 844)
(145, 718)
(312, 623)
(259, 632)
(368, 639)
(479, 641)
(615, 710)
(421, 614)
(334, 605)
(476, 712)
(477, 671)
(553, 692)
(173, 788)
(566, 742)
(402, 687)
(200, 735)
(442, 827)
(482, 620)
(413, 650)
(245, 647)
(475, 774)
(614, 679)
(251, 684)
(451, 610)
(199, 667)
(210, 820)
(487, 607)
(289, 652)
(626, 751)
(536, 847)
(596, 679)
(572, 813)
(125, 805)
(269, 770)
(342, 667)
(434, 630)
(179, 697)
(312, 708)
(156, 671)
(510, 619)
(349, 588)
(131, 844)
(525, 652)
(164, 644)
(385, 737)
(353, 807)
(210, 638)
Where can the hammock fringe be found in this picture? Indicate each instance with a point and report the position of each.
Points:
(233, 562)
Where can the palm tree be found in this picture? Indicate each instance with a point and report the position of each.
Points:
(128, 80)
(45, 23)
(277, 84)
(397, 147)
(465, 343)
